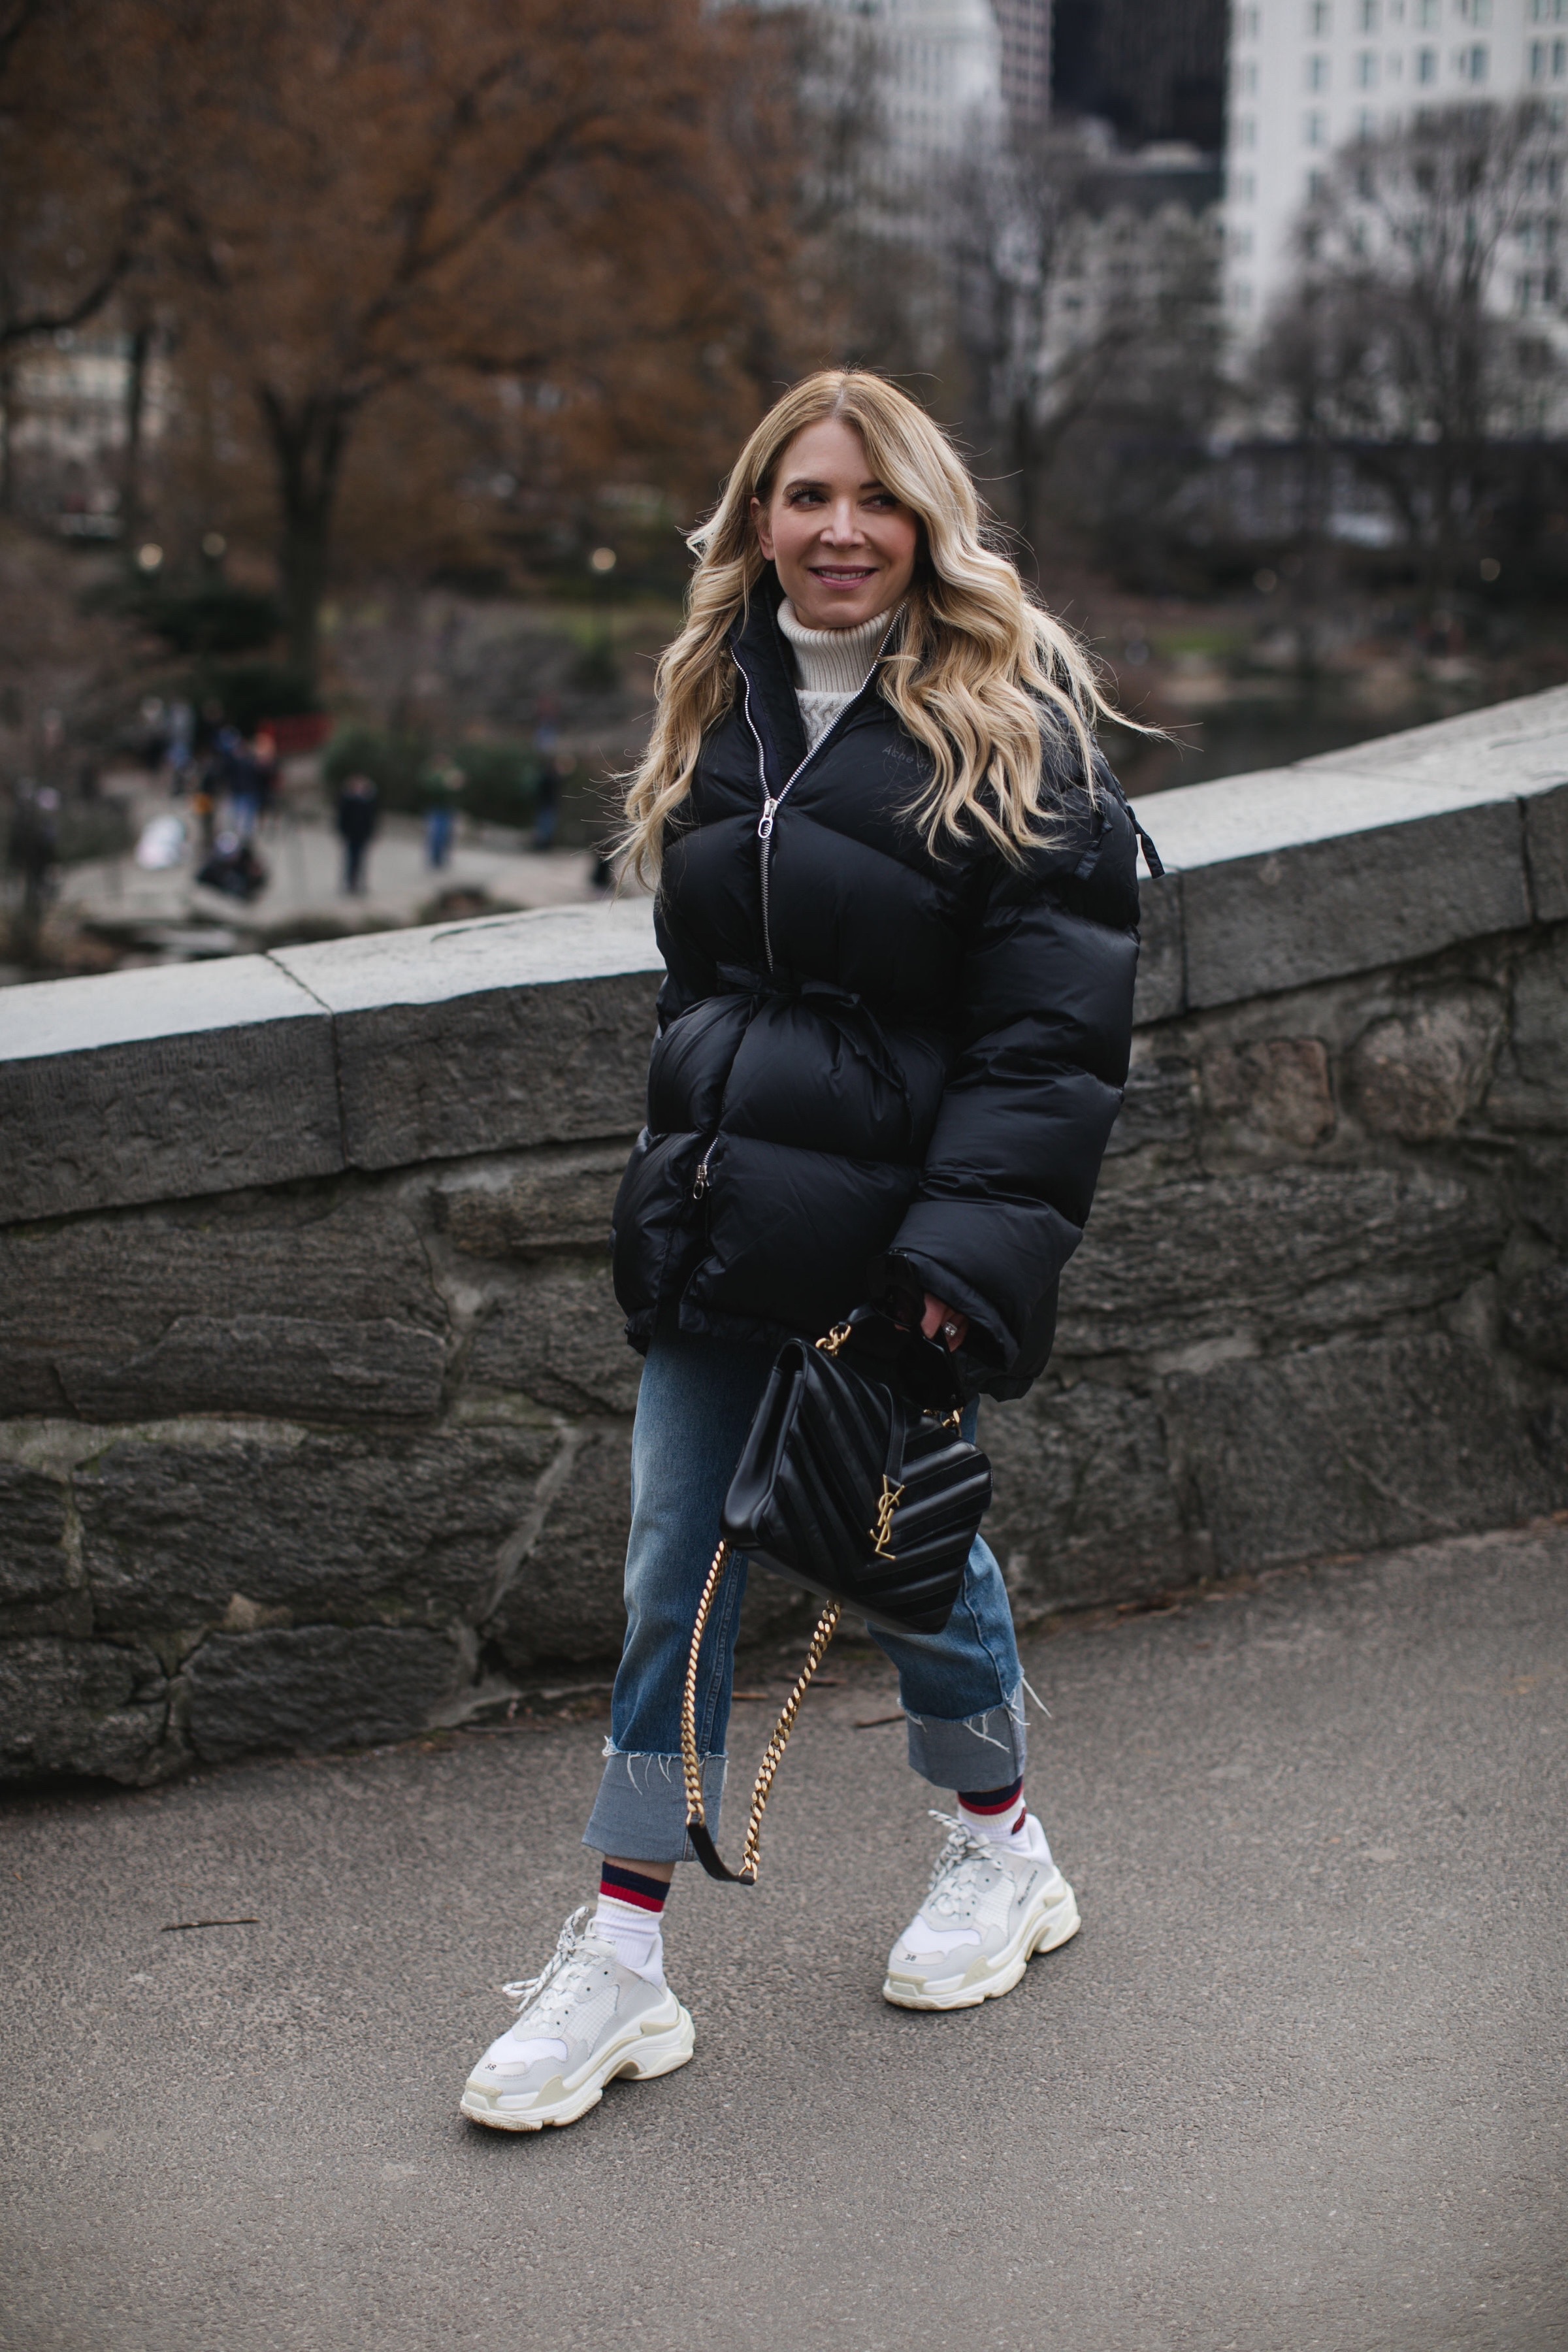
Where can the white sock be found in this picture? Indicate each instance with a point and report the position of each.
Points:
(1030, 1838)
(636, 1937)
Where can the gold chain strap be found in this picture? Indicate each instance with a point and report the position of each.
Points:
(773, 1755)
(695, 1810)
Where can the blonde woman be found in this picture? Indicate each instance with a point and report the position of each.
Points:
(896, 900)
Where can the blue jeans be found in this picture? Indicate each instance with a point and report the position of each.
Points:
(961, 1690)
(437, 836)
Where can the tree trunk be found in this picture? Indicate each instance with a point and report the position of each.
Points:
(309, 442)
(1028, 474)
(131, 508)
(7, 448)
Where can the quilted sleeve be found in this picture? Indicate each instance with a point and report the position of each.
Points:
(1044, 1032)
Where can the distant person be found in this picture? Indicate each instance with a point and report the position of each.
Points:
(234, 867)
(182, 747)
(551, 768)
(227, 773)
(547, 805)
(359, 804)
(265, 767)
(442, 787)
(897, 901)
(245, 781)
(31, 852)
(204, 803)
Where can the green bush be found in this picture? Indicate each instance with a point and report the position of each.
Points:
(501, 782)
(252, 692)
(212, 619)
(395, 764)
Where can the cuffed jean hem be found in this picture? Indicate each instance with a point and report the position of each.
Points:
(639, 1813)
(974, 1751)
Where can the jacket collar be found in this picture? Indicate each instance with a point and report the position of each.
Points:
(762, 658)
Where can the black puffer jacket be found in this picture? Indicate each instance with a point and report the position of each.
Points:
(876, 1071)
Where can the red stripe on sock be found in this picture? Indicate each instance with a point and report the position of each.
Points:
(991, 1802)
(631, 1887)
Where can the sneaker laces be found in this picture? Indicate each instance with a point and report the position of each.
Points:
(958, 1879)
(563, 1975)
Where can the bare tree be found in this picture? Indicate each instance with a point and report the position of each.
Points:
(1416, 343)
(1090, 325)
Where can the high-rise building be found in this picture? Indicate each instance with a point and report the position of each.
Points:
(1024, 26)
(1307, 76)
(938, 83)
(947, 71)
(1153, 69)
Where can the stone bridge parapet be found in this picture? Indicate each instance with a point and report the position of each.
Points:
(314, 1405)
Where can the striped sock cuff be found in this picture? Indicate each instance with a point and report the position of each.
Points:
(991, 1801)
(631, 1887)
(992, 1811)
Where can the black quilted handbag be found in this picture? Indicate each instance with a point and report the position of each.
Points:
(856, 1482)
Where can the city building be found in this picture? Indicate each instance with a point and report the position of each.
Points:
(936, 75)
(1306, 76)
(1025, 30)
(1152, 69)
(66, 406)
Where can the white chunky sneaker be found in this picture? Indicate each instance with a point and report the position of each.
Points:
(584, 2020)
(987, 1910)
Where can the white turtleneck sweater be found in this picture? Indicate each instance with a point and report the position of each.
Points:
(831, 666)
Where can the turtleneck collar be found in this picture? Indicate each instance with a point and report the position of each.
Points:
(835, 662)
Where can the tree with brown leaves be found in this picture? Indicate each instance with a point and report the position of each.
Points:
(560, 195)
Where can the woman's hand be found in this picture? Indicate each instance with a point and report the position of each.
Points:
(947, 1320)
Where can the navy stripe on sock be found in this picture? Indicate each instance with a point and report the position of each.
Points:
(991, 1800)
(631, 1887)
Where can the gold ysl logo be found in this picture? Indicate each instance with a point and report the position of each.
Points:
(881, 1533)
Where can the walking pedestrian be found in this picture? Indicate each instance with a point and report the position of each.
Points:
(442, 786)
(265, 768)
(31, 850)
(182, 738)
(358, 807)
(897, 902)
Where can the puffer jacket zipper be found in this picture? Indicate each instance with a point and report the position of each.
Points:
(771, 801)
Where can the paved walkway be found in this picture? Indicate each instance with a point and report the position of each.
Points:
(304, 858)
(1297, 2087)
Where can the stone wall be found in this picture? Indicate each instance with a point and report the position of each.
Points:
(314, 1406)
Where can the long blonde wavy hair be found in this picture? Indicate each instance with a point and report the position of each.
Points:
(976, 670)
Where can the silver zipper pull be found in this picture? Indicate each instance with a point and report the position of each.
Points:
(699, 1180)
(766, 822)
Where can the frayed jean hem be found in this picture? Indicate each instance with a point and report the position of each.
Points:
(639, 1813)
(974, 1751)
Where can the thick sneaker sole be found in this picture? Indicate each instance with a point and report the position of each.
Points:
(1041, 1931)
(638, 2061)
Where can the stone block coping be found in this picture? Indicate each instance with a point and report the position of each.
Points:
(384, 1050)
(1358, 858)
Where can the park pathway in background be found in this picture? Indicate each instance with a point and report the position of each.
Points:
(303, 855)
(1299, 2086)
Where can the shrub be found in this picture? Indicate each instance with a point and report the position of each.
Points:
(501, 782)
(395, 764)
(216, 619)
(252, 692)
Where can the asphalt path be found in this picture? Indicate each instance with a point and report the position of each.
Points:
(1299, 2086)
